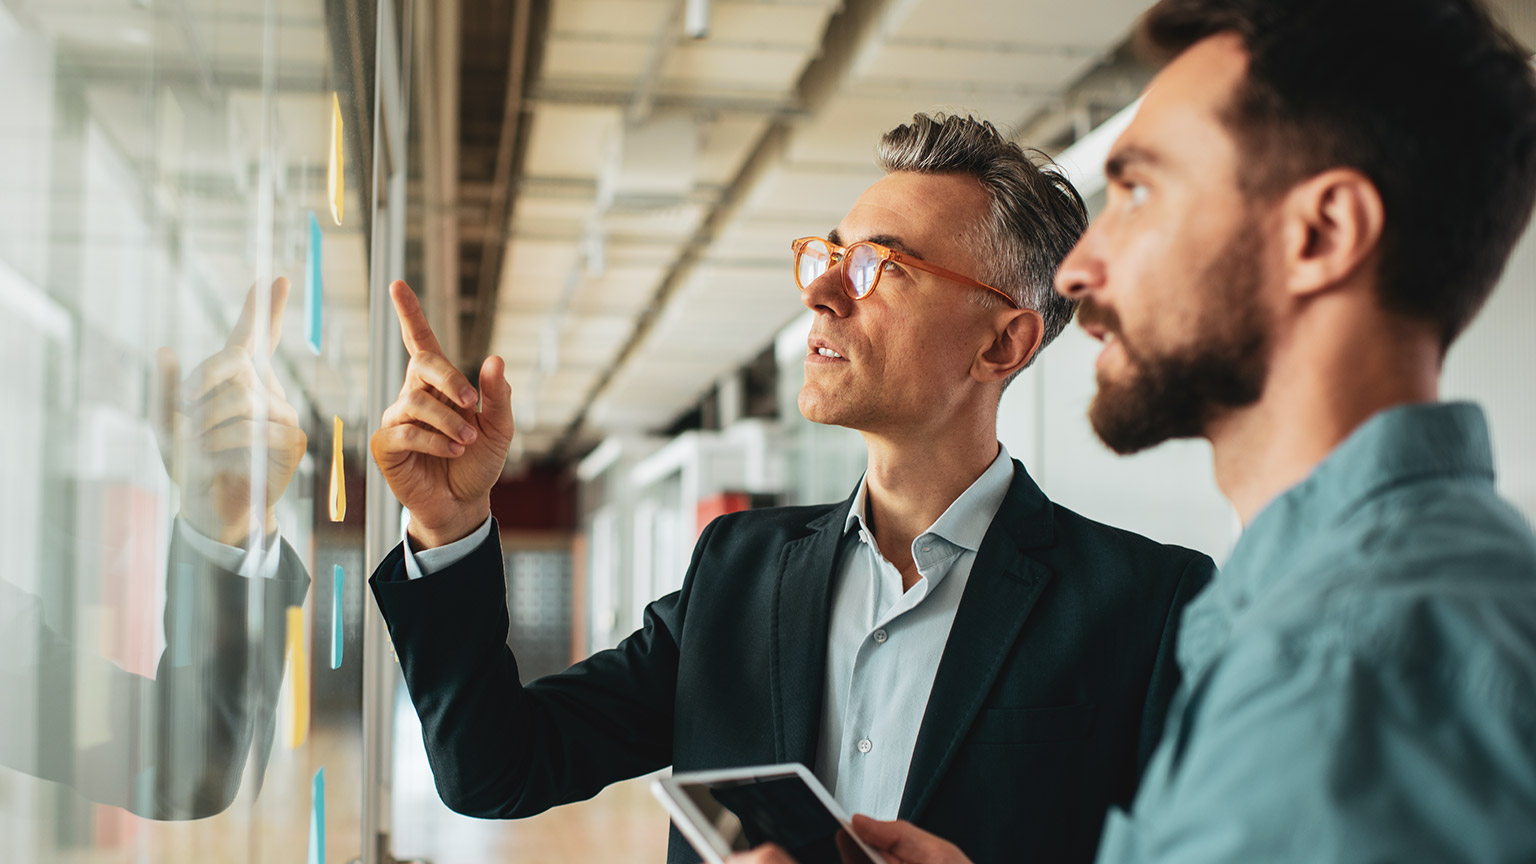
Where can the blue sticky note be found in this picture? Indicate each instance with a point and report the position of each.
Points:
(317, 820)
(314, 288)
(337, 596)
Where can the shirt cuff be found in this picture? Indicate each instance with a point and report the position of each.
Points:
(429, 561)
(246, 562)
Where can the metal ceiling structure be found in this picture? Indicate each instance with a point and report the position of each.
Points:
(604, 189)
(661, 173)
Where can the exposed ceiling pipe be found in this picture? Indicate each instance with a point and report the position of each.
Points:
(639, 109)
(438, 59)
(499, 208)
(850, 36)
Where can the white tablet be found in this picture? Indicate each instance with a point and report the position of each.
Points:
(735, 809)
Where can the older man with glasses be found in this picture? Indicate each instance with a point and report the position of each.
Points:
(944, 646)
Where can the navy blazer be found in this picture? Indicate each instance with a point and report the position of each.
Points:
(1047, 703)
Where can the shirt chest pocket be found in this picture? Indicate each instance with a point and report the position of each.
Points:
(1033, 725)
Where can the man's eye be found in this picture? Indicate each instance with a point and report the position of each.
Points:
(1137, 194)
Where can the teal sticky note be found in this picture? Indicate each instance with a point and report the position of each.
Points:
(314, 287)
(317, 819)
(337, 596)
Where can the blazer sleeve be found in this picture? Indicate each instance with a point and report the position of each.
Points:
(501, 749)
(1166, 677)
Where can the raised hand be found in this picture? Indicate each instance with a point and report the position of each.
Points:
(441, 456)
(208, 423)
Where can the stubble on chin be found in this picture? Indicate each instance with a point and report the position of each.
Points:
(1177, 393)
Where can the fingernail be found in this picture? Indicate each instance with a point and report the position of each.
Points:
(466, 433)
(455, 448)
(468, 397)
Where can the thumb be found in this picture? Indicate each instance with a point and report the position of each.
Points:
(495, 397)
(881, 835)
(904, 842)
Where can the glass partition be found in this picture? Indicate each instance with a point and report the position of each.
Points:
(186, 222)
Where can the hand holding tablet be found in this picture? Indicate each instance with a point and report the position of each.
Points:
(732, 810)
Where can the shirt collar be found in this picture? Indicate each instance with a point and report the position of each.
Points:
(1397, 446)
(965, 522)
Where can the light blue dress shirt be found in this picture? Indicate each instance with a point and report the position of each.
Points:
(1360, 678)
(885, 644)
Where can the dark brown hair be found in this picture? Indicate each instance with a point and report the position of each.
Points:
(1430, 99)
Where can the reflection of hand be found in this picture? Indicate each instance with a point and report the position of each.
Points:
(440, 456)
(902, 842)
(207, 437)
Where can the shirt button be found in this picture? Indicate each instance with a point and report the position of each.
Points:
(865, 746)
(881, 636)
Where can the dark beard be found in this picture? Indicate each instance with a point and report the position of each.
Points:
(1178, 394)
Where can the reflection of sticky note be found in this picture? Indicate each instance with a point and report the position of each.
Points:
(296, 679)
(338, 476)
(336, 175)
(337, 596)
(314, 288)
(317, 819)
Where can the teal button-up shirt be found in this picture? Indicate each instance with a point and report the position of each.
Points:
(1360, 678)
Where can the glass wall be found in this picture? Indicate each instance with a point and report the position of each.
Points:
(186, 223)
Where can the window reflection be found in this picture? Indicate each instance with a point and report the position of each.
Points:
(173, 744)
(164, 373)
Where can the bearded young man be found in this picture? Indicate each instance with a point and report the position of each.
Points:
(1311, 204)
(946, 645)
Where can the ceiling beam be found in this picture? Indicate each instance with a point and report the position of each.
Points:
(510, 152)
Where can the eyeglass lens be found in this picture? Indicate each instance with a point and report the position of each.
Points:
(863, 267)
(812, 261)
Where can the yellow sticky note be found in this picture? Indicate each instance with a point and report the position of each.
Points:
(338, 475)
(336, 175)
(296, 682)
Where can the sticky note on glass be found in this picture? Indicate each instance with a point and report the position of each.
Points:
(336, 174)
(338, 476)
(314, 286)
(337, 596)
(296, 681)
(317, 819)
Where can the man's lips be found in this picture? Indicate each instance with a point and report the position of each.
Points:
(822, 351)
(1111, 342)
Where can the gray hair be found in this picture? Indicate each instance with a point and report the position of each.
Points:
(1035, 219)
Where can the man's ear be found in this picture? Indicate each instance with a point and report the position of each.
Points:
(1332, 228)
(1015, 339)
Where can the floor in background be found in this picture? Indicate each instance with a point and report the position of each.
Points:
(622, 824)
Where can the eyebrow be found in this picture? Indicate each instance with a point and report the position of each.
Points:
(1123, 159)
(889, 241)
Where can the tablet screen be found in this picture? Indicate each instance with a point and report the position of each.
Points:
(775, 808)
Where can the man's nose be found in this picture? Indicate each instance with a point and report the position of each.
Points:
(826, 293)
(1081, 271)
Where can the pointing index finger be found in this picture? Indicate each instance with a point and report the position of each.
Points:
(414, 328)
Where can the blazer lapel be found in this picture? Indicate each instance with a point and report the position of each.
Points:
(1003, 587)
(798, 660)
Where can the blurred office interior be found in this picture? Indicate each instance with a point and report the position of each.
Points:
(201, 205)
